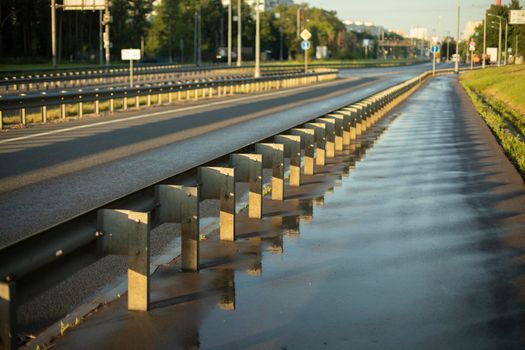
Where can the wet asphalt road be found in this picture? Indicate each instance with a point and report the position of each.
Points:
(420, 247)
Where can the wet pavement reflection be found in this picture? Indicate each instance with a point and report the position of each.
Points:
(398, 243)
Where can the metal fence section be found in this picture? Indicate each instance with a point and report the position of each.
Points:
(136, 97)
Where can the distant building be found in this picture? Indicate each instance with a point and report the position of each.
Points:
(419, 33)
(470, 29)
(264, 4)
(399, 32)
(363, 27)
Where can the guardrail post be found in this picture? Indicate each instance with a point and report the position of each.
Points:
(23, 116)
(248, 168)
(8, 321)
(329, 134)
(343, 130)
(148, 103)
(180, 204)
(320, 140)
(219, 183)
(308, 145)
(44, 114)
(292, 151)
(137, 102)
(273, 158)
(126, 232)
(159, 99)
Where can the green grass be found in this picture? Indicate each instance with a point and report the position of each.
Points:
(499, 96)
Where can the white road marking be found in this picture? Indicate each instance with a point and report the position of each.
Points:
(141, 116)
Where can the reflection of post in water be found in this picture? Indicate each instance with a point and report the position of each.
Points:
(255, 268)
(190, 339)
(307, 211)
(291, 225)
(319, 202)
(226, 287)
(276, 244)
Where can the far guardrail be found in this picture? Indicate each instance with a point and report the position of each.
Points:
(83, 77)
(163, 94)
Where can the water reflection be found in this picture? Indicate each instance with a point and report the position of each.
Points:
(225, 285)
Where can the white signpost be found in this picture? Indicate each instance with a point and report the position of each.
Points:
(434, 50)
(517, 17)
(130, 55)
(305, 45)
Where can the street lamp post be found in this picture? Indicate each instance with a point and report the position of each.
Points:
(506, 38)
(239, 33)
(107, 19)
(499, 44)
(53, 34)
(257, 73)
(484, 56)
(229, 32)
(456, 63)
(499, 37)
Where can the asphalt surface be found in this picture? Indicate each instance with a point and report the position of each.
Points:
(419, 246)
(53, 172)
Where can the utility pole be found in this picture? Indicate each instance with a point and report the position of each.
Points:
(298, 21)
(100, 39)
(506, 38)
(107, 19)
(484, 56)
(195, 30)
(499, 44)
(229, 32)
(257, 73)
(239, 33)
(199, 44)
(53, 34)
(456, 64)
(448, 48)
(517, 52)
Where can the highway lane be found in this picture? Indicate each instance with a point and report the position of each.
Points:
(99, 162)
(55, 171)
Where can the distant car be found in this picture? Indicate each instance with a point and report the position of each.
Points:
(222, 55)
(476, 59)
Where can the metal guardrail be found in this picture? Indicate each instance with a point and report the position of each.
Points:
(81, 240)
(82, 77)
(223, 86)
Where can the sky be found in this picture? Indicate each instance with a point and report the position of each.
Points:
(439, 16)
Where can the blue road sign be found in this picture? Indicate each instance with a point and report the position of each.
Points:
(305, 45)
(435, 49)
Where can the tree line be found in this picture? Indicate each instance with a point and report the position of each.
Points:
(168, 30)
